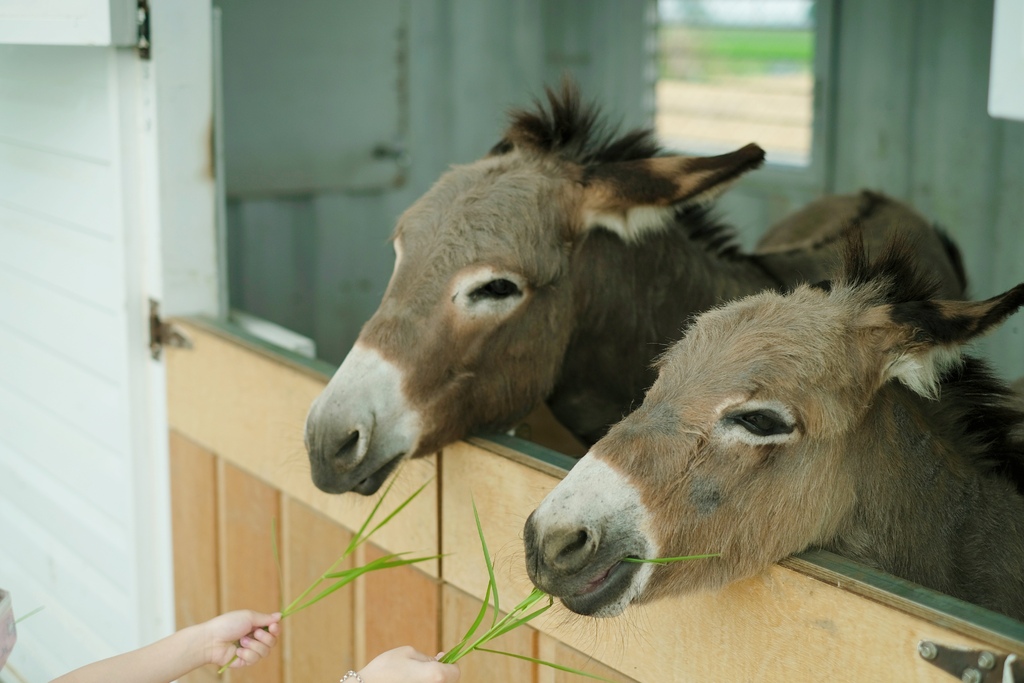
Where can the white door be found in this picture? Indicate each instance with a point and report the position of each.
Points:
(90, 202)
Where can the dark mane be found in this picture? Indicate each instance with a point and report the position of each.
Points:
(574, 130)
(896, 268)
(955, 257)
(706, 228)
(983, 407)
(979, 406)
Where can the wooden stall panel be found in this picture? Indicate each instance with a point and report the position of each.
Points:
(505, 493)
(250, 408)
(395, 607)
(194, 534)
(458, 611)
(249, 578)
(779, 626)
(319, 641)
(551, 650)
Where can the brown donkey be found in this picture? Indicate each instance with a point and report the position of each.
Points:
(555, 268)
(839, 416)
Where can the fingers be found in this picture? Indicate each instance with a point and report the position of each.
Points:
(251, 651)
(268, 638)
(257, 645)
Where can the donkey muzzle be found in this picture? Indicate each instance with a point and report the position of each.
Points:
(582, 565)
(361, 426)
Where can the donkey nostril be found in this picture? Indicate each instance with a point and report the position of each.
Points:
(348, 447)
(574, 546)
(573, 550)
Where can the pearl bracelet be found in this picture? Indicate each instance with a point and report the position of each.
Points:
(351, 676)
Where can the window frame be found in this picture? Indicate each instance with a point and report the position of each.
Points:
(816, 176)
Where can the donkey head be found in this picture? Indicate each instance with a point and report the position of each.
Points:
(746, 443)
(475, 321)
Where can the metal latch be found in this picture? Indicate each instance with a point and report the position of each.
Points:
(973, 666)
(163, 333)
(142, 42)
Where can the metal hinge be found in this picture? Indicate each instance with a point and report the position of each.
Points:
(142, 43)
(163, 333)
(973, 666)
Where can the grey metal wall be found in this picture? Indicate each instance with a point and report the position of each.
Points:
(904, 113)
(911, 120)
(905, 94)
(318, 263)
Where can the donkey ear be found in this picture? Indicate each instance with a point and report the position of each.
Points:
(921, 339)
(635, 197)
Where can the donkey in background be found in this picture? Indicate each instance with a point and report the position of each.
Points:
(554, 269)
(841, 416)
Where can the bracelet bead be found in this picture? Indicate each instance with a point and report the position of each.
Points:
(351, 676)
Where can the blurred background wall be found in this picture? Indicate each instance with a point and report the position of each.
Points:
(337, 117)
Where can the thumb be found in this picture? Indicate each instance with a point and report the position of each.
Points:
(261, 619)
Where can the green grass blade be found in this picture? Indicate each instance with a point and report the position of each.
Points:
(669, 560)
(519, 622)
(520, 615)
(457, 650)
(399, 508)
(487, 560)
(507, 623)
(387, 562)
(358, 537)
(277, 562)
(372, 563)
(34, 612)
(542, 662)
(347, 576)
(530, 600)
(340, 583)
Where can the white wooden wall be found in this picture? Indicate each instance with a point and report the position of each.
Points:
(83, 504)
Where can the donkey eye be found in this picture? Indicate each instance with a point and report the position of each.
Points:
(496, 289)
(762, 423)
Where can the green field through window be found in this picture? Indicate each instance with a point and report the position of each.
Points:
(735, 71)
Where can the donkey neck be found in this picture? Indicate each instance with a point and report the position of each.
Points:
(631, 302)
(927, 511)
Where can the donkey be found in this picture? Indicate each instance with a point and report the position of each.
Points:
(841, 416)
(555, 268)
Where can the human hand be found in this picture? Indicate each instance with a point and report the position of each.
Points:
(406, 665)
(241, 638)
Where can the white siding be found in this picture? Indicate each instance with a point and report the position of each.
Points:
(67, 22)
(77, 463)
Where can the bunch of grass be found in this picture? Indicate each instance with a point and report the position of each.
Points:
(524, 612)
(336, 578)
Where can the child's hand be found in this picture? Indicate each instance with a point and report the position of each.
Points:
(406, 665)
(241, 636)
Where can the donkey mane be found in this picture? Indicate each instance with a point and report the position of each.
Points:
(577, 131)
(706, 228)
(982, 405)
(977, 403)
(894, 272)
(574, 130)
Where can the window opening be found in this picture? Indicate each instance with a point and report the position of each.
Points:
(736, 71)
